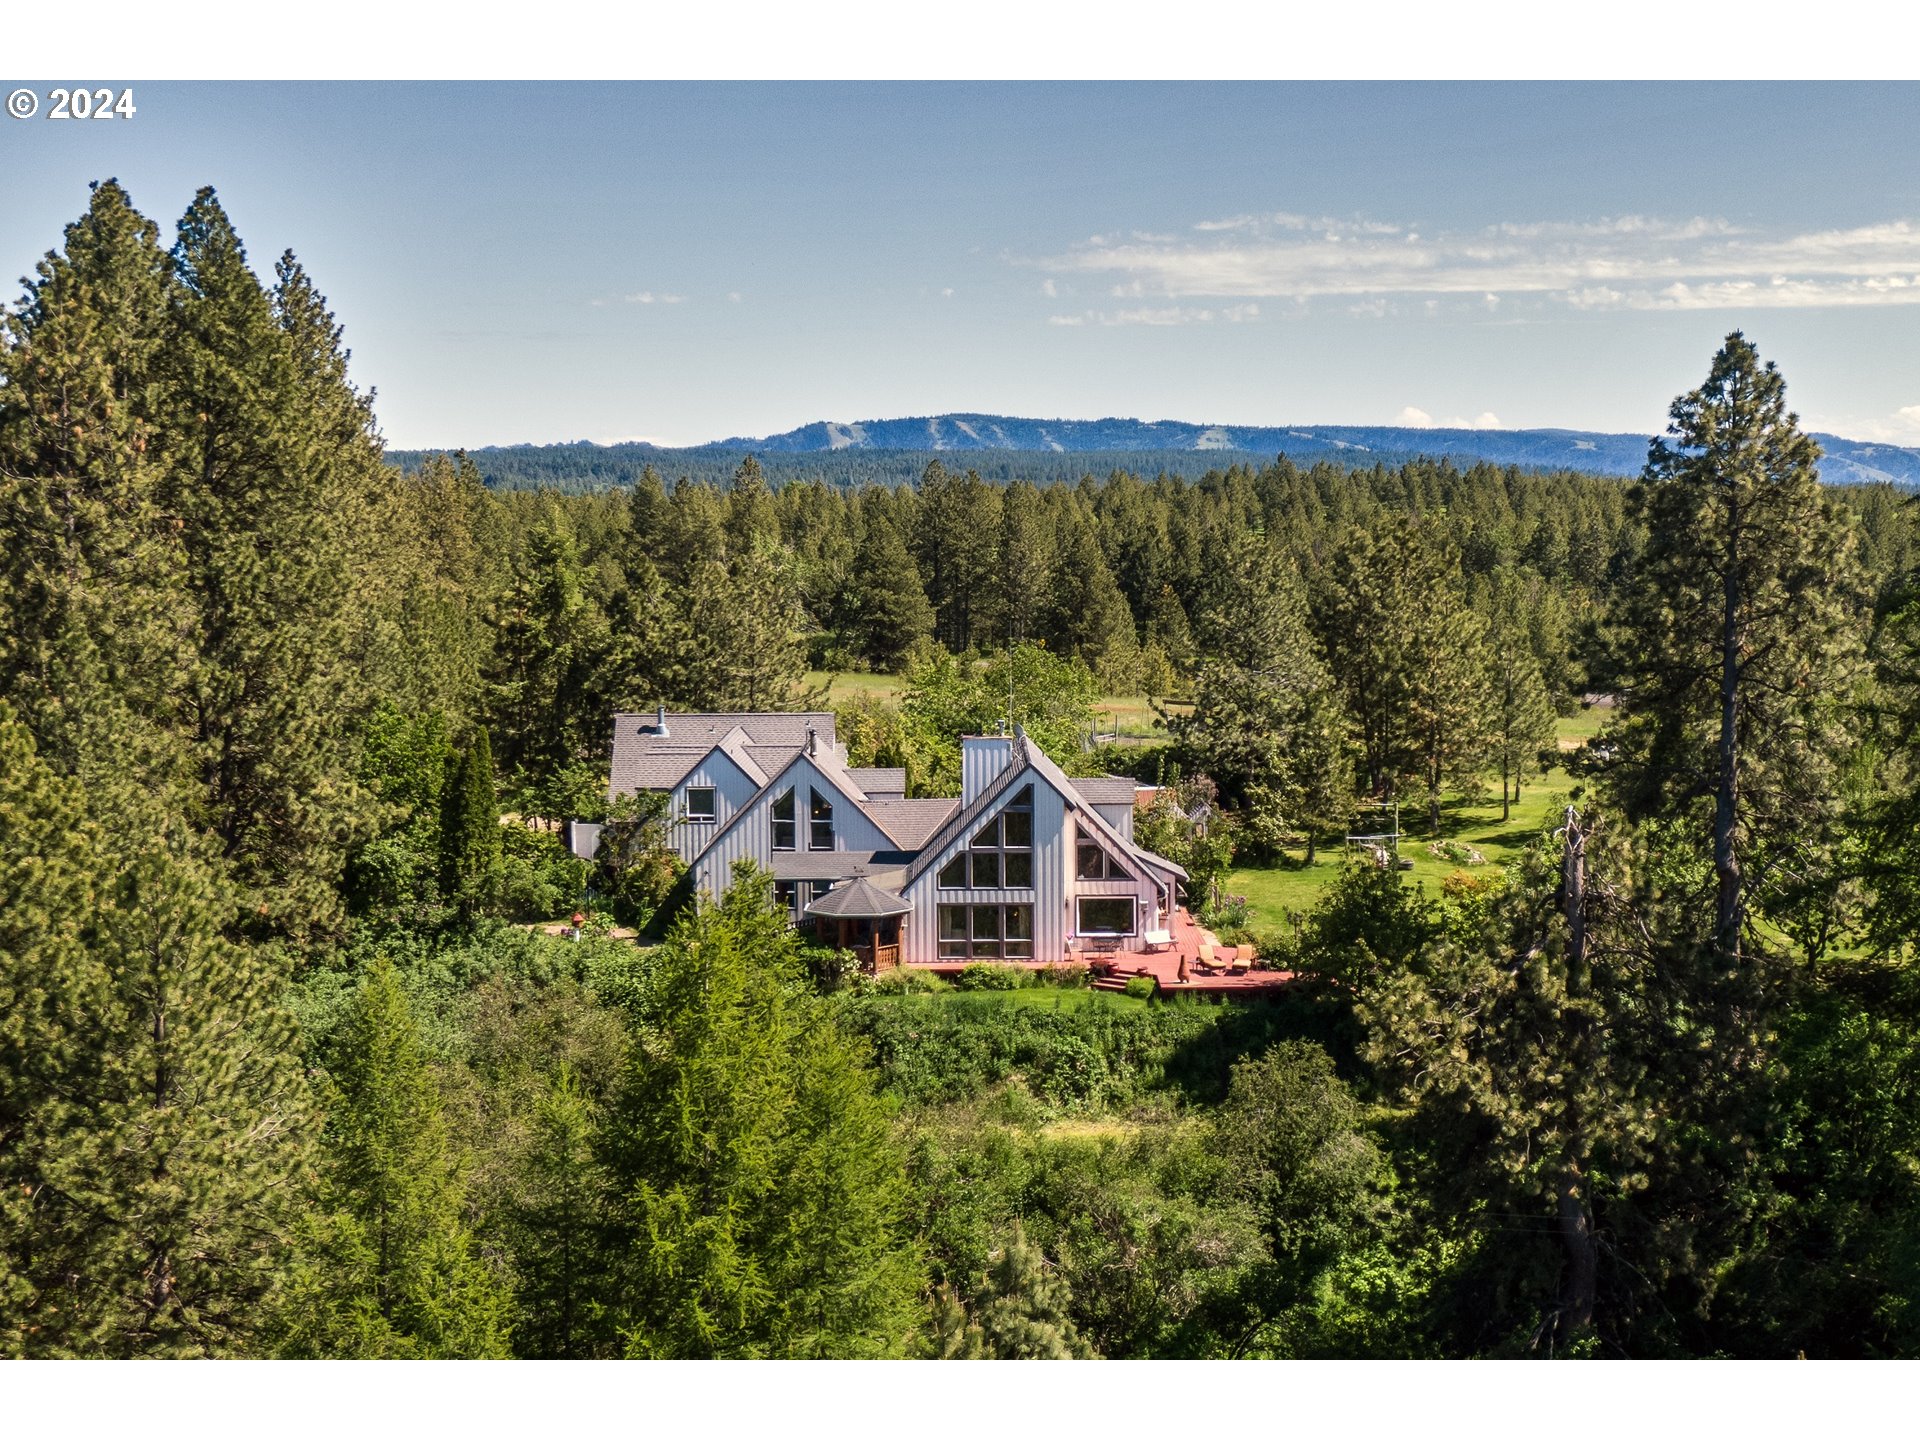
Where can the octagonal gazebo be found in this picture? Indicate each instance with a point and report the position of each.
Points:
(858, 915)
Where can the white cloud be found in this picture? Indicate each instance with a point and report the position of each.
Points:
(1413, 416)
(649, 297)
(947, 294)
(1049, 289)
(1628, 262)
(1163, 315)
(734, 296)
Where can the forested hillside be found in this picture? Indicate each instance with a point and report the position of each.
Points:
(290, 1066)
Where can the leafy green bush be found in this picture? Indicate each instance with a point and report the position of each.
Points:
(1142, 987)
(1062, 977)
(990, 977)
(829, 967)
(905, 980)
(540, 878)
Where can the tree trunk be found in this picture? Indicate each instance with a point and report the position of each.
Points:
(1581, 1279)
(1578, 1282)
(1726, 794)
(1506, 811)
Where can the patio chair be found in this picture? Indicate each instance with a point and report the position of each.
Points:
(1206, 961)
(1243, 958)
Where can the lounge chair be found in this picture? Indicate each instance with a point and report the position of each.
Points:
(1206, 962)
(1243, 958)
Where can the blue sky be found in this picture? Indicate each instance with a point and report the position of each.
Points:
(684, 262)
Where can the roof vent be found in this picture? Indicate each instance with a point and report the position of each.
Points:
(813, 741)
(660, 720)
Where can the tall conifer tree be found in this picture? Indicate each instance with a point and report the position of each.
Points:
(152, 1108)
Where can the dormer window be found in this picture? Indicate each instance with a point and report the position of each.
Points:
(820, 828)
(700, 802)
(785, 828)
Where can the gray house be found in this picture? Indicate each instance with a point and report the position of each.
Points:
(1025, 864)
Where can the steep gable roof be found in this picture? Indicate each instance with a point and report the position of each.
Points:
(1018, 760)
(759, 743)
(1025, 757)
(827, 764)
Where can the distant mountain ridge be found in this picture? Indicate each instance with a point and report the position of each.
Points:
(1846, 462)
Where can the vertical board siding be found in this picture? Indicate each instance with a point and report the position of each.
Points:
(731, 789)
(982, 758)
(752, 837)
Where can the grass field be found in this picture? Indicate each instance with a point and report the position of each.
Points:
(1274, 892)
(1130, 716)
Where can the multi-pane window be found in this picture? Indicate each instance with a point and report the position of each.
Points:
(986, 932)
(1092, 862)
(1000, 856)
(784, 827)
(1106, 915)
(786, 897)
(700, 802)
(820, 828)
(820, 889)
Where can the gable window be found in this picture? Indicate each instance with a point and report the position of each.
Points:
(1000, 855)
(1106, 915)
(1092, 862)
(785, 828)
(700, 802)
(986, 932)
(820, 830)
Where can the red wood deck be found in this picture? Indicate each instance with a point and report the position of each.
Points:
(1162, 965)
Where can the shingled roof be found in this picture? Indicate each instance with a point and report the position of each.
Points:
(647, 758)
(859, 899)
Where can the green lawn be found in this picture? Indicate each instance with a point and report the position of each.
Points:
(1273, 892)
(843, 685)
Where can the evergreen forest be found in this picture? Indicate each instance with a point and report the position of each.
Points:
(295, 1063)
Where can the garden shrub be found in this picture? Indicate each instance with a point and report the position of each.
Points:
(1142, 987)
(989, 977)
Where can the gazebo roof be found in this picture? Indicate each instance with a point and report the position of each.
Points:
(858, 899)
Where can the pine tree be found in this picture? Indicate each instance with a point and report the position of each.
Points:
(270, 452)
(889, 612)
(91, 568)
(471, 857)
(762, 1196)
(1450, 699)
(1409, 659)
(152, 1112)
(546, 695)
(1021, 1311)
(554, 1229)
(1739, 637)
(746, 647)
(388, 1267)
(1260, 727)
(957, 543)
(752, 521)
(1087, 615)
(1523, 718)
